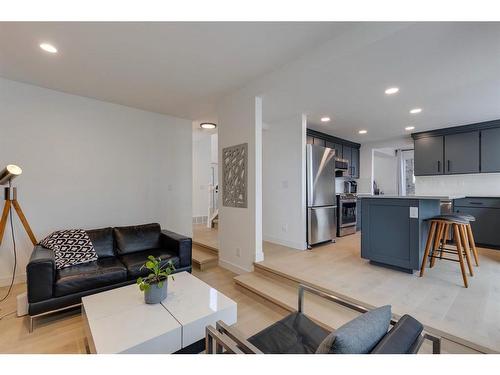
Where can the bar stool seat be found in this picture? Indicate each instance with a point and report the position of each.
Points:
(436, 240)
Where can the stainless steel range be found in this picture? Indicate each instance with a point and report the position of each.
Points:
(346, 214)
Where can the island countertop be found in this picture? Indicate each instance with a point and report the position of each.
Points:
(415, 197)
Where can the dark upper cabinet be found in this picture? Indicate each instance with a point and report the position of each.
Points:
(429, 156)
(490, 150)
(355, 162)
(337, 147)
(344, 149)
(461, 153)
(319, 142)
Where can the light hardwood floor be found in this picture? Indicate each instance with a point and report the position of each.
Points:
(63, 333)
(205, 236)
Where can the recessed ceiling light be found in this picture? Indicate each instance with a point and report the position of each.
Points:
(392, 90)
(48, 47)
(363, 132)
(208, 125)
(415, 111)
(409, 128)
(325, 119)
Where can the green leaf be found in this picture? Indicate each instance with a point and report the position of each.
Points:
(151, 258)
(150, 265)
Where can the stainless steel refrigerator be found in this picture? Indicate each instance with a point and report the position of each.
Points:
(321, 199)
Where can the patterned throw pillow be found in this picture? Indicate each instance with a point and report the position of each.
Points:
(71, 247)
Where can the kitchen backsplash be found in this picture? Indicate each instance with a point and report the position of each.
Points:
(486, 184)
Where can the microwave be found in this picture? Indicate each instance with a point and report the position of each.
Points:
(341, 167)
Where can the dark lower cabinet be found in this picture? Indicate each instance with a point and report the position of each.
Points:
(490, 150)
(487, 214)
(461, 153)
(391, 235)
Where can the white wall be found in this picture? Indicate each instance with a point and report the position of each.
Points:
(365, 181)
(89, 164)
(486, 184)
(283, 182)
(240, 229)
(202, 154)
(385, 172)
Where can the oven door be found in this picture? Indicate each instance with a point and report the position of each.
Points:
(347, 213)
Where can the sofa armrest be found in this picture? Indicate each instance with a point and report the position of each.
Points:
(180, 244)
(41, 274)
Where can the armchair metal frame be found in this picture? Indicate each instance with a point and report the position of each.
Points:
(224, 339)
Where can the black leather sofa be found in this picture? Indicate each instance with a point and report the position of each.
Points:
(121, 253)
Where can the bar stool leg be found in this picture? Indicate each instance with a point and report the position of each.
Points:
(465, 244)
(460, 254)
(472, 244)
(437, 240)
(445, 241)
(432, 229)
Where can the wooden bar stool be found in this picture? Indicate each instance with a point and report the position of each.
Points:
(468, 232)
(438, 230)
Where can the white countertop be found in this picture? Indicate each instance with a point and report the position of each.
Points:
(433, 197)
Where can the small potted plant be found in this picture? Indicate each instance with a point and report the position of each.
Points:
(155, 284)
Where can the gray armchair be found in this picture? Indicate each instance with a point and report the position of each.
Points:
(298, 334)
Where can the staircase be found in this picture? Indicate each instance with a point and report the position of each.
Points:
(204, 257)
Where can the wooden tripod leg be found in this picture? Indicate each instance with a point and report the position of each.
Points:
(23, 219)
(472, 243)
(3, 221)
(432, 229)
(460, 254)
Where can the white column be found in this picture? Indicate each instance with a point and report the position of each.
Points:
(240, 229)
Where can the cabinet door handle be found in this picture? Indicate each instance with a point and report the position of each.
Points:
(439, 166)
(449, 165)
(476, 203)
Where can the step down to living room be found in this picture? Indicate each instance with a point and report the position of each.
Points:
(270, 286)
(204, 257)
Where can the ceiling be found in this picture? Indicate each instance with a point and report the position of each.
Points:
(450, 70)
(176, 68)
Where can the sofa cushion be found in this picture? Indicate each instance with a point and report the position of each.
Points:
(134, 261)
(99, 273)
(103, 241)
(360, 335)
(137, 238)
(402, 338)
(70, 247)
(295, 334)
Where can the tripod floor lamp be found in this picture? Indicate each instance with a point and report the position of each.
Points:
(6, 176)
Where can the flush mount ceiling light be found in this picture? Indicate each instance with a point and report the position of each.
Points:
(363, 132)
(208, 125)
(409, 128)
(47, 47)
(415, 111)
(325, 119)
(392, 90)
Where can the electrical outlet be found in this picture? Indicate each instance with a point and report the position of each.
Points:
(169, 187)
(284, 184)
(284, 228)
(238, 252)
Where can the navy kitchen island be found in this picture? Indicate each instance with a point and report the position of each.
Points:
(394, 230)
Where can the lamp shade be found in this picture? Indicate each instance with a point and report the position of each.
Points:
(10, 172)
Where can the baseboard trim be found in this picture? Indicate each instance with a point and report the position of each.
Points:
(20, 278)
(293, 244)
(233, 267)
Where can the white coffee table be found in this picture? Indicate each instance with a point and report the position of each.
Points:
(118, 320)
